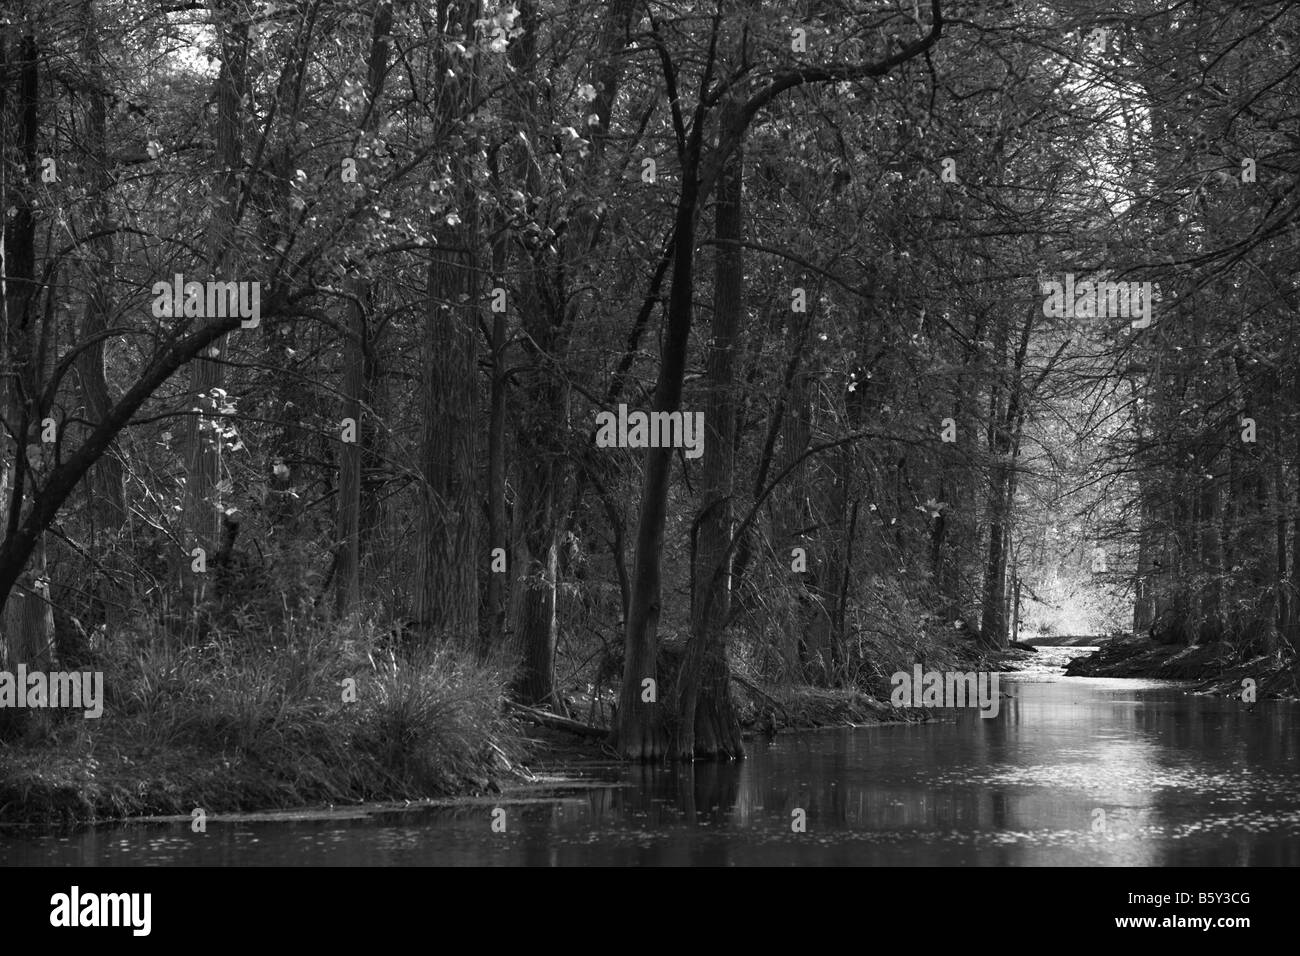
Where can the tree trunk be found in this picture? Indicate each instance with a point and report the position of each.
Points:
(105, 490)
(347, 533)
(1004, 445)
(993, 612)
(707, 724)
(446, 601)
(446, 580)
(640, 731)
(202, 443)
(1277, 509)
(801, 649)
(1143, 600)
(540, 469)
(536, 565)
(494, 635)
(27, 624)
(347, 581)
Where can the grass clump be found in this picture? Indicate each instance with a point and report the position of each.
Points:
(225, 726)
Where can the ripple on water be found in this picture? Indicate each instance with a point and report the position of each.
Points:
(1099, 778)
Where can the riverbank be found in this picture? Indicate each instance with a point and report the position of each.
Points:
(1215, 668)
(228, 729)
(121, 771)
(322, 728)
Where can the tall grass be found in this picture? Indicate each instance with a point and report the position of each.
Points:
(233, 726)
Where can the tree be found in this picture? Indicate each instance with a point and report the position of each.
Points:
(640, 730)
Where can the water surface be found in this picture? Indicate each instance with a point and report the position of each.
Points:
(1181, 780)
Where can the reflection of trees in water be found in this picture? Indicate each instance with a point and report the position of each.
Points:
(712, 788)
(652, 805)
(690, 793)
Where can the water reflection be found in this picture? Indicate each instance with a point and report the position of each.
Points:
(1178, 780)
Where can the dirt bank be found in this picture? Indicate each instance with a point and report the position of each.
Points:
(1215, 668)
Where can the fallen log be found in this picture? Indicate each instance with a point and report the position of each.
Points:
(555, 721)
